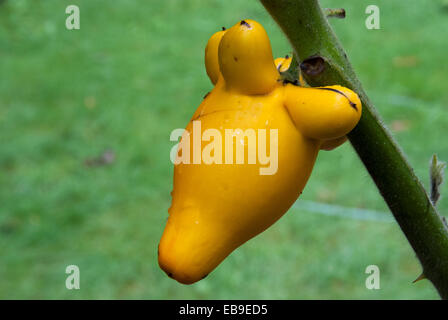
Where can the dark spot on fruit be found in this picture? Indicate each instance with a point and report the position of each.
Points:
(244, 23)
(235, 58)
(223, 28)
(287, 57)
(352, 104)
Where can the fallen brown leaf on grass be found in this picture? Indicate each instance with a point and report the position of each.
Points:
(400, 125)
(405, 61)
(106, 158)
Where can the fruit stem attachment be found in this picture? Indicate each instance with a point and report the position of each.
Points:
(436, 172)
(308, 30)
(335, 13)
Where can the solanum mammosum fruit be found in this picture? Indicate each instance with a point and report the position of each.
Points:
(211, 56)
(217, 206)
(282, 64)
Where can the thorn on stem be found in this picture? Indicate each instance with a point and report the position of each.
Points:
(420, 277)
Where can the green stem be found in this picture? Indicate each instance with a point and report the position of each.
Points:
(314, 44)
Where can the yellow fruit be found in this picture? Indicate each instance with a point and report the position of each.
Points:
(332, 144)
(323, 113)
(211, 56)
(237, 49)
(216, 207)
(282, 64)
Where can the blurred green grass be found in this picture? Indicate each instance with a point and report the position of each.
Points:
(124, 81)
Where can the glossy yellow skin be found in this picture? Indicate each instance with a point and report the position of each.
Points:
(243, 73)
(282, 65)
(217, 207)
(211, 56)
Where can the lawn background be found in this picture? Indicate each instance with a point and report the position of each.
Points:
(123, 82)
